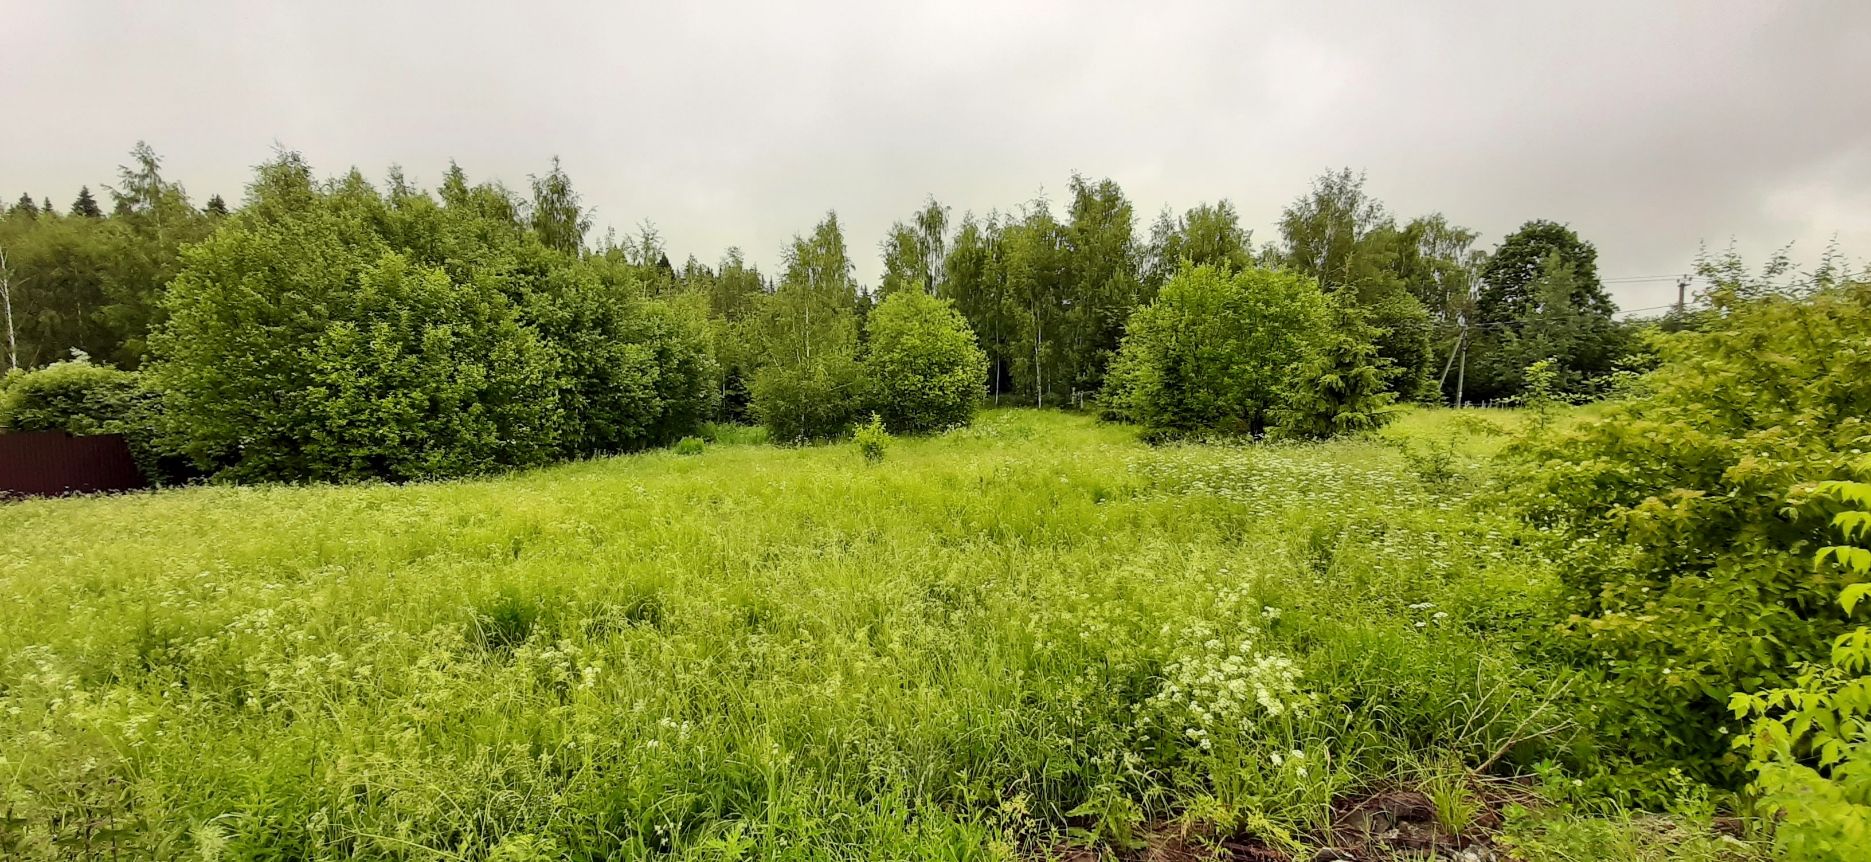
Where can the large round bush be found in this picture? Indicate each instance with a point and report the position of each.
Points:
(1217, 351)
(303, 348)
(926, 371)
(813, 401)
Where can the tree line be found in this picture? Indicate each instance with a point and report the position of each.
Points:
(344, 328)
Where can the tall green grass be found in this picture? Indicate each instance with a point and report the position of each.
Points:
(1027, 630)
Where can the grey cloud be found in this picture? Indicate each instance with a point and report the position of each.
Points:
(1650, 127)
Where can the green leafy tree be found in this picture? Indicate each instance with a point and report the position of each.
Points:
(1342, 236)
(904, 267)
(1583, 344)
(926, 371)
(630, 373)
(913, 252)
(974, 277)
(156, 222)
(808, 383)
(1218, 351)
(1325, 228)
(735, 297)
(1102, 283)
(932, 241)
(59, 275)
(1440, 266)
(1508, 279)
(315, 335)
(305, 348)
(1206, 234)
(1034, 278)
(557, 215)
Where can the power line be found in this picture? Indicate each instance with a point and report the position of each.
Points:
(1635, 278)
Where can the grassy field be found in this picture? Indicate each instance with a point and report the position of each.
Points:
(1026, 635)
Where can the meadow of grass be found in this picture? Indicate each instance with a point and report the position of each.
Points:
(995, 642)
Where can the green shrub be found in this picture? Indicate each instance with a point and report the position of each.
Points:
(1690, 562)
(304, 349)
(1810, 745)
(77, 397)
(1217, 351)
(872, 439)
(812, 401)
(333, 332)
(927, 372)
(690, 446)
(630, 373)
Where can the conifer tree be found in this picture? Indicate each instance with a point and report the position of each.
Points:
(85, 205)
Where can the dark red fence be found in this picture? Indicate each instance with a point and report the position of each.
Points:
(53, 463)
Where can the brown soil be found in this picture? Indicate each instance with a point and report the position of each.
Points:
(1377, 824)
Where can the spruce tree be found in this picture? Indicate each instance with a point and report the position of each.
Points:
(1344, 389)
(85, 205)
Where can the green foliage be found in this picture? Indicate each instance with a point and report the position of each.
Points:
(630, 373)
(1541, 395)
(1810, 744)
(1689, 559)
(1527, 256)
(872, 439)
(1437, 264)
(91, 283)
(294, 352)
(1341, 390)
(557, 216)
(1207, 234)
(330, 331)
(812, 401)
(808, 383)
(1342, 236)
(730, 434)
(1217, 351)
(1556, 323)
(925, 370)
(1558, 835)
(77, 397)
(690, 446)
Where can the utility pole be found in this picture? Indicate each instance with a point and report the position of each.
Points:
(1682, 292)
(1461, 335)
(1461, 374)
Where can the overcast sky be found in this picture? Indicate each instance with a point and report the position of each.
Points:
(1648, 126)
